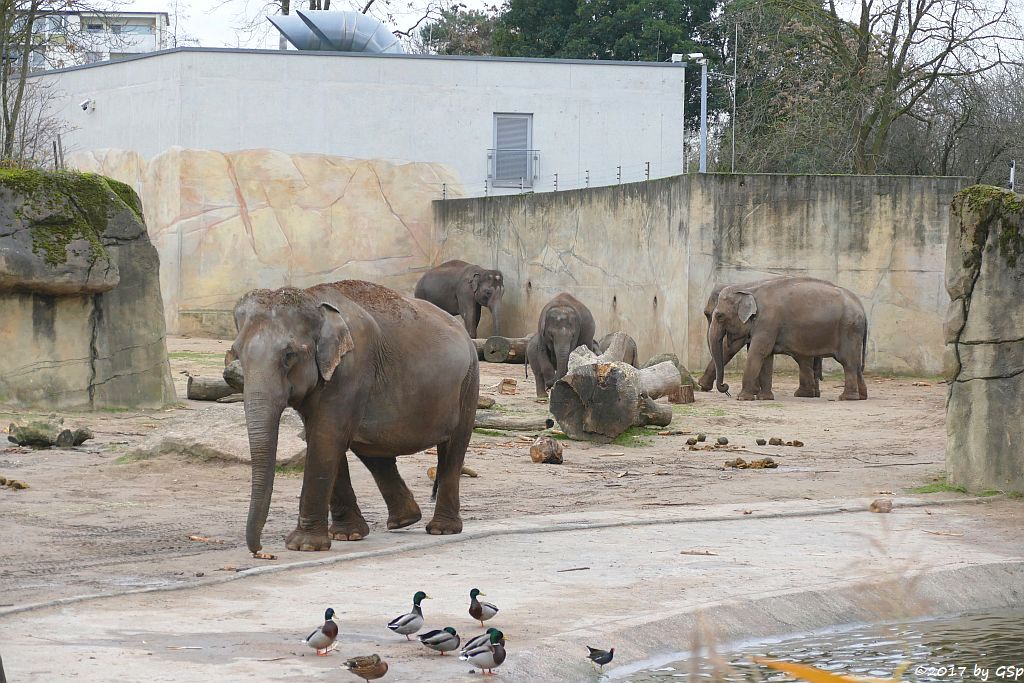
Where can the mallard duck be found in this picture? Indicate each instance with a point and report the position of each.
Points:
(407, 624)
(367, 668)
(322, 638)
(489, 656)
(481, 611)
(442, 641)
(481, 639)
(601, 657)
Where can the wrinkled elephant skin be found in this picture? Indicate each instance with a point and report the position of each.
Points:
(461, 288)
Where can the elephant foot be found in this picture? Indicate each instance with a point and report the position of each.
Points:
(747, 396)
(350, 529)
(301, 539)
(407, 516)
(766, 396)
(444, 526)
(705, 387)
(850, 396)
(806, 393)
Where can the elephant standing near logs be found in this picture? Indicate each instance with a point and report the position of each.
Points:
(461, 288)
(731, 346)
(348, 357)
(564, 324)
(801, 317)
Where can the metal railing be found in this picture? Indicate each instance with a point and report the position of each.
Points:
(512, 167)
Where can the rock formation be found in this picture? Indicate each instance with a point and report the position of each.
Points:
(985, 340)
(79, 295)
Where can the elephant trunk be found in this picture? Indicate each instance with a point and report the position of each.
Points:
(494, 304)
(562, 350)
(263, 421)
(716, 337)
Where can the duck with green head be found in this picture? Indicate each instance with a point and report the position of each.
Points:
(410, 623)
(444, 640)
(488, 656)
(481, 639)
(478, 609)
(323, 638)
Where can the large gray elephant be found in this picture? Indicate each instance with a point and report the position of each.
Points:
(731, 346)
(564, 324)
(462, 288)
(800, 317)
(348, 356)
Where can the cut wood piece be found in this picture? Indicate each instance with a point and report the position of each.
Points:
(208, 388)
(479, 343)
(600, 397)
(546, 449)
(234, 377)
(687, 380)
(500, 349)
(628, 351)
(683, 395)
(486, 419)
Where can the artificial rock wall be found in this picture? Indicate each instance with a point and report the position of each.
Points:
(82, 319)
(226, 223)
(645, 256)
(985, 340)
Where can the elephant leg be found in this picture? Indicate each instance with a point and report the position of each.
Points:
(730, 347)
(311, 533)
(861, 386)
(470, 313)
(808, 384)
(402, 508)
(817, 368)
(758, 352)
(764, 380)
(451, 455)
(851, 357)
(348, 523)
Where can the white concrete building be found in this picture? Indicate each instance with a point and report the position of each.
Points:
(498, 122)
(73, 38)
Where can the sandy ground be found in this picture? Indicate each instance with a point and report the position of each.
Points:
(112, 515)
(116, 514)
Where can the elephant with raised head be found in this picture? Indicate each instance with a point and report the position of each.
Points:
(462, 288)
(348, 357)
(564, 324)
(809, 379)
(800, 317)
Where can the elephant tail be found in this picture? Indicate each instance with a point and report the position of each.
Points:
(864, 347)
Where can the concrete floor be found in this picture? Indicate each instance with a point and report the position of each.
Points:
(604, 578)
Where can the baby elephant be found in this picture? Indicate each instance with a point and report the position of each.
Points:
(461, 288)
(564, 324)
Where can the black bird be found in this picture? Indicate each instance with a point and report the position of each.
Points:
(601, 657)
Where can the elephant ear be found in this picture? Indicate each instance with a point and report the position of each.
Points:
(474, 282)
(747, 308)
(334, 341)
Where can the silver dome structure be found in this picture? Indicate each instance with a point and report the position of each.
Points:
(336, 31)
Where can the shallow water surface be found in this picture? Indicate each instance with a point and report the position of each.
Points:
(980, 647)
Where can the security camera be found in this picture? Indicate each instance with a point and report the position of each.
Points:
(677, 57)
(85, 105)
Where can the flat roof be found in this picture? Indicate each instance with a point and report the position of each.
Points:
(331, 53)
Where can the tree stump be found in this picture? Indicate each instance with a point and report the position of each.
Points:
(479, 343)
(629, 355)
(601, 396)
(499, 349)
(208, 388)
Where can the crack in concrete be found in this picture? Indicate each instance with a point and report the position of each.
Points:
(243, 206)
(394, 213)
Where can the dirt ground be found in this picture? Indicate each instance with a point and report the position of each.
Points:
(118, 511)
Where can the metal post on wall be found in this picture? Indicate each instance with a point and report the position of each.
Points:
(647, 170)
(618, 175)
(704, 115)
(444, 192)
(588, 178)
(1013, 173)
(556, 182)
(522, 184)
(485, 187)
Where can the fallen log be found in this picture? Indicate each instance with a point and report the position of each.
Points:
(208, 388)
(601, 396)
(46, 433)
(499, 349)
(487, 419)
(479, 343)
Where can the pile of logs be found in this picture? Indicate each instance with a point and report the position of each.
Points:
(601, 396)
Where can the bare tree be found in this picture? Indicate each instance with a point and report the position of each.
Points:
(890, 54)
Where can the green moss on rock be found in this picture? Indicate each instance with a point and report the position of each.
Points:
(90, 197)
(994, 207)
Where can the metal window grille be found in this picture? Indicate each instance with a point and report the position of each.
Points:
(512, 162)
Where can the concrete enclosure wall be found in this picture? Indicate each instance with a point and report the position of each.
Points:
(586, 115)
(645, 256)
